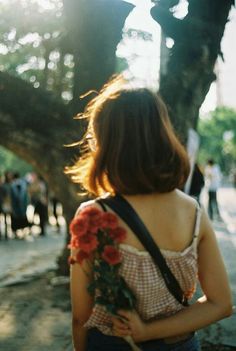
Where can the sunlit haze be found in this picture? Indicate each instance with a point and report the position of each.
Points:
(146, 67)
(143, 57)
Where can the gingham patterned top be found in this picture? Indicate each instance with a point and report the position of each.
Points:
(143, 276)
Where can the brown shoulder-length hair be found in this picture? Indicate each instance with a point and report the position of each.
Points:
(130, 146)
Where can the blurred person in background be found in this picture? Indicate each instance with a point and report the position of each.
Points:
(213, 179)
(55, 204)
(39, 199)
(2, 193)
(197, 182)
(19, 203)
(5, 199)
(234, 179)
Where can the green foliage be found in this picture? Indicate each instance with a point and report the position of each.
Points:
(218, 138)
(9, 161)
(33, 44)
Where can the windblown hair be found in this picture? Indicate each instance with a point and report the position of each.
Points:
(130, 146)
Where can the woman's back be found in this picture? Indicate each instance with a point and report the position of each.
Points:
(169, 217)
(173, 221)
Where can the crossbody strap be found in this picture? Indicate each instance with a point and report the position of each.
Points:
(126, 212)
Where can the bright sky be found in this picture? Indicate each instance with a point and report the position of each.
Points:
(143, 58)
(145, 67)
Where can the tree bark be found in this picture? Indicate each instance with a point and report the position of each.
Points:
(190, 68)
(95, 30)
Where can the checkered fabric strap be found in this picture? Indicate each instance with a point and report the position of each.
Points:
(127, 213)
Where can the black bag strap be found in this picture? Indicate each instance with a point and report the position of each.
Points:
(126, 212)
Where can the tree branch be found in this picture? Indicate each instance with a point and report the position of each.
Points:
(35, 126)
(190, 69)
(171, 26)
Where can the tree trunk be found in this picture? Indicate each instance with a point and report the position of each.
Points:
(95, 30)
(190, 69)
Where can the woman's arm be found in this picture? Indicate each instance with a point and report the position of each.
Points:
(214, 305)
(81, 301)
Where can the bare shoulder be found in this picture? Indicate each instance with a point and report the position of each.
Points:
(185, 197)
(205, 227)
(185, 200)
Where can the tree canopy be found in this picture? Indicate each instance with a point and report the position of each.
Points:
(218, 138)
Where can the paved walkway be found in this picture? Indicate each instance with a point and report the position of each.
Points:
(35, 308)
(21, 259)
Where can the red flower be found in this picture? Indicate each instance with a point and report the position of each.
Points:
(118, 234)
(94, 216)
(81, 256)
(71, 260)
(88, 242)
(91, 211)
(111, 255)
(79, 225)
(95, 222)
(109, 220)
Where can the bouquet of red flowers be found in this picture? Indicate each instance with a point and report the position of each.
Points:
(96, 235)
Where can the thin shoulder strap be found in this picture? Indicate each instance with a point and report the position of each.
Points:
(196, 228)
(119, 205)
(100, 202)
(197, 220)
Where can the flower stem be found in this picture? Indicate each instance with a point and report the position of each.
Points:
(131, 342)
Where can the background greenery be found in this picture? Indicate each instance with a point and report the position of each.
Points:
(9, 161)
(218, 138)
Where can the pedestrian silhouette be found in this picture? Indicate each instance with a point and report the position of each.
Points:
(19, 202)
(39, 200)
(213, 179)
(197, 182)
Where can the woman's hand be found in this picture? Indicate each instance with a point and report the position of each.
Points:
(129, 324)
